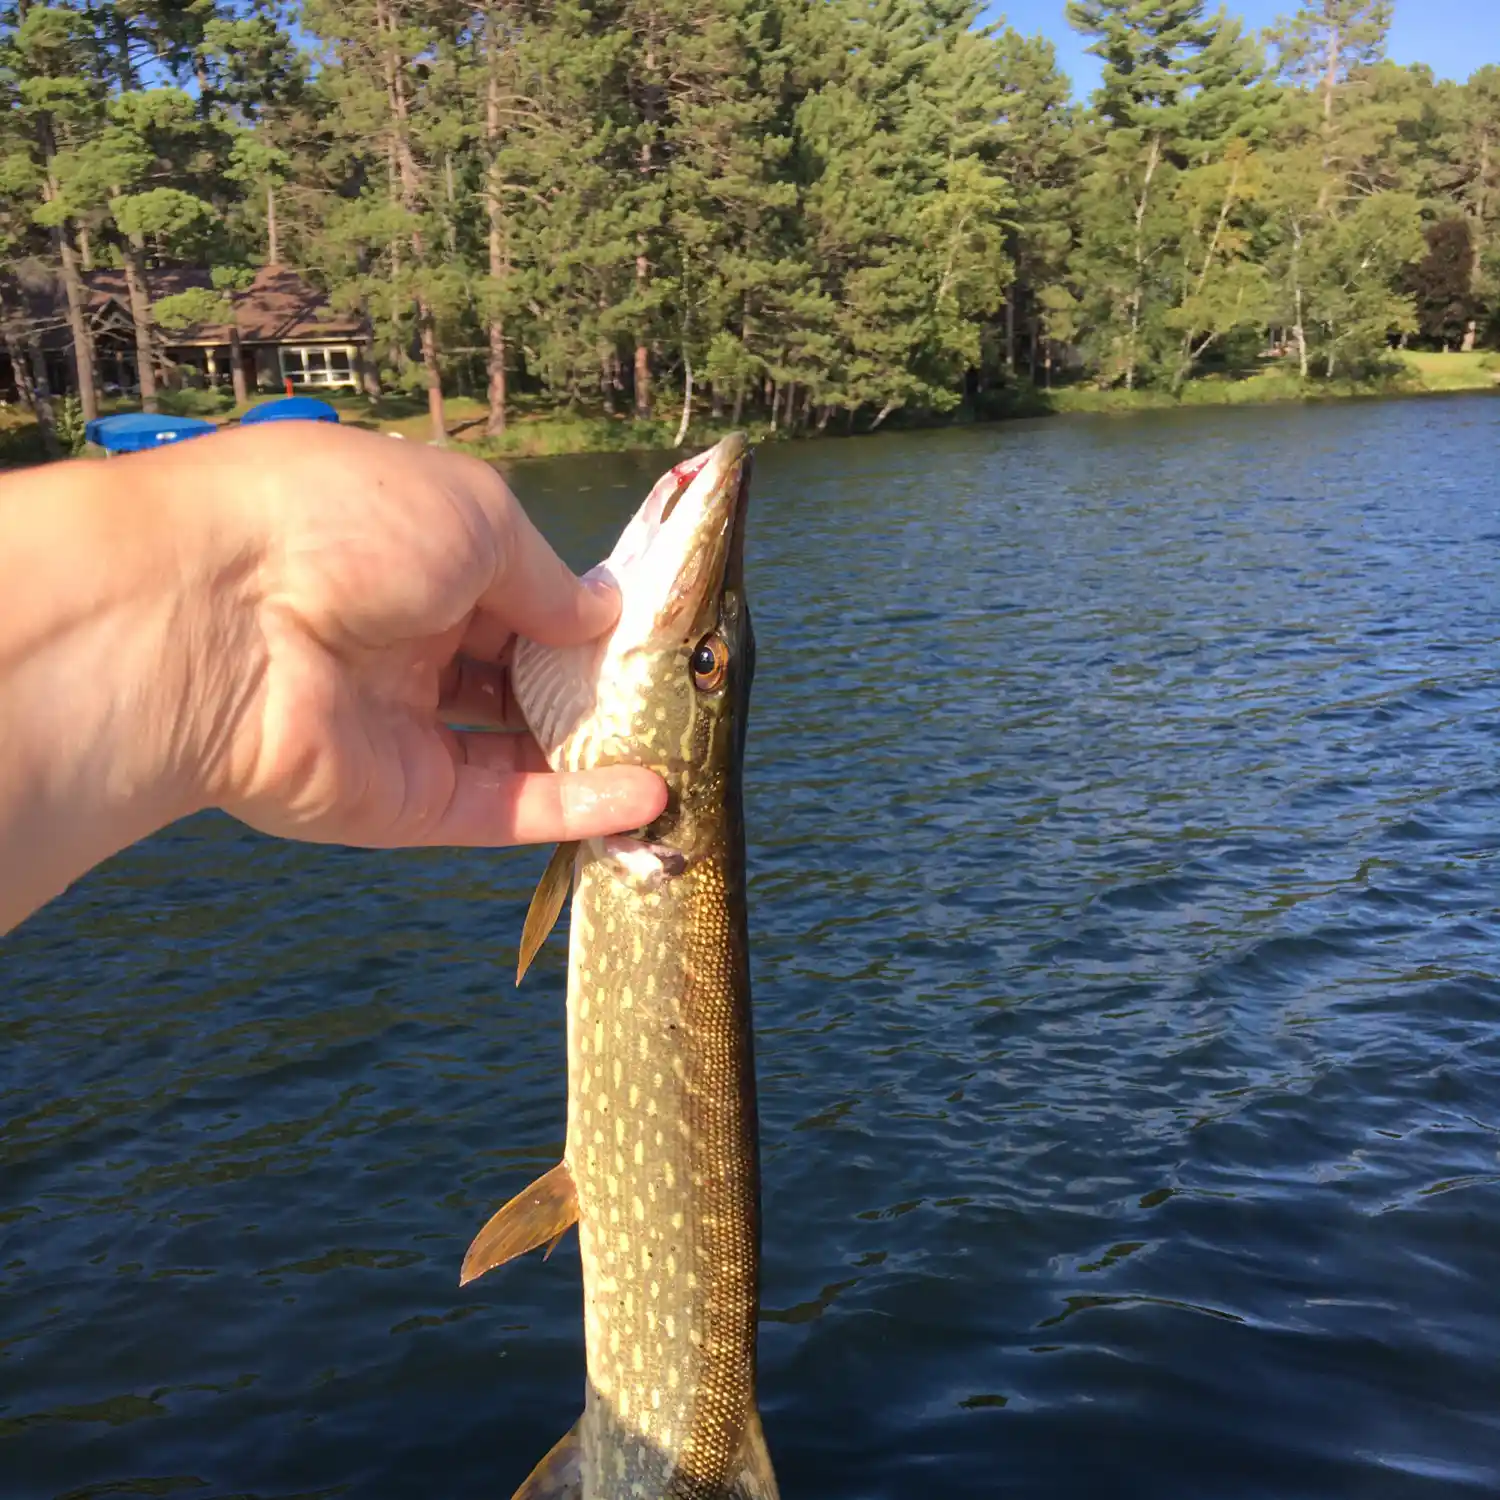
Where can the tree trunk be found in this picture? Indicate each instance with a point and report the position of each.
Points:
(496, 393)
(406, 165)
(237, 364)
(450, 197)
(83, 343)
(1033, 338)
(1137, 295)
(687, 401)
(495, 421)
(1476, 243)
(642, 352)
(1299, 331)
(1010, 331)
(62, 245)
(85, 248)
(41, 397)
(133, 253)
(427, 333)
(273, 229)
(739, 405)
(643, 267)
(1326, 87)
(365, 372)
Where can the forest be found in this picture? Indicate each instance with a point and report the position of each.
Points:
(815, 216)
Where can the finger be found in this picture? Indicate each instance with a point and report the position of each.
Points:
(487, 637)
(534, 592)
(478, 693)
(505, 751)
(492, 809)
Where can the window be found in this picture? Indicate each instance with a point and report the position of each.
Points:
(318, 366)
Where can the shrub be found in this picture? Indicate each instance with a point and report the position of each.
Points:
(193, 402)
(68, 412)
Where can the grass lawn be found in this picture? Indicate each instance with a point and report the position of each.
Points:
(1454, 372)
(1415, 373)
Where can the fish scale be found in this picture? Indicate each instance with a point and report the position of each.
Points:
(664, 1157)
(661, 1167)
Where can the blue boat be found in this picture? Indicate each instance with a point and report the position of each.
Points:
(132, 431)
(290, 409)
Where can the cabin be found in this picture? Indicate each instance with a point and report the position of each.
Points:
(287, 334)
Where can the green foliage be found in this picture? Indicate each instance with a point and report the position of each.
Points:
(187, 309)
(1442, 283)
(69, 425)
(163, 214)
(190, 401)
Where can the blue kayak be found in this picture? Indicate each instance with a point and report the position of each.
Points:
(290, 409)
(132, 431)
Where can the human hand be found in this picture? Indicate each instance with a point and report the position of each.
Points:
(381, 585)
(285, 624)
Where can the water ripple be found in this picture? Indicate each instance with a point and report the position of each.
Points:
(1125, 829)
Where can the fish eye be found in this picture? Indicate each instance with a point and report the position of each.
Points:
(709, 663)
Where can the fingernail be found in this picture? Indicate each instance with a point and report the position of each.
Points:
(604, 590)
(625, 798)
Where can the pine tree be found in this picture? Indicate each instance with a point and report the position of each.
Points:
(1041, 156)
(1149, 49)
(121, 180)
(389, 105)
(52, 56)
(1323, 46)
(898, 144)
(1352, 223)
(259, 83)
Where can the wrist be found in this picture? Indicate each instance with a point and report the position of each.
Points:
(123, 630)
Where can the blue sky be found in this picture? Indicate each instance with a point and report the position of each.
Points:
(1454, 36)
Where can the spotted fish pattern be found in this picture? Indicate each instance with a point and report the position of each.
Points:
(661, 1166)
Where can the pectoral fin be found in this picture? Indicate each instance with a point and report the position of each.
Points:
(755, 1479)
(546, 904)
(541, 1215)
(559, 1476)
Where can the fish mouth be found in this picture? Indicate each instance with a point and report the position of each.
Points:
(684, 547)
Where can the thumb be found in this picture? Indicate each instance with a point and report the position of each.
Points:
(535, 594)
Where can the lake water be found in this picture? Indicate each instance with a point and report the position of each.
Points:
(1124, 805)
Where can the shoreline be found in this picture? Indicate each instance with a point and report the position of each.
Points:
(555, 435)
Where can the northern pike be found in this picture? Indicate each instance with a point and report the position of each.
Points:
(661, 1166)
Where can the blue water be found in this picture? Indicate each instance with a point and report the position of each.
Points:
(1124, 801)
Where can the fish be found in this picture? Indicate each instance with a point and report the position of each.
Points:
(661, 1167)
